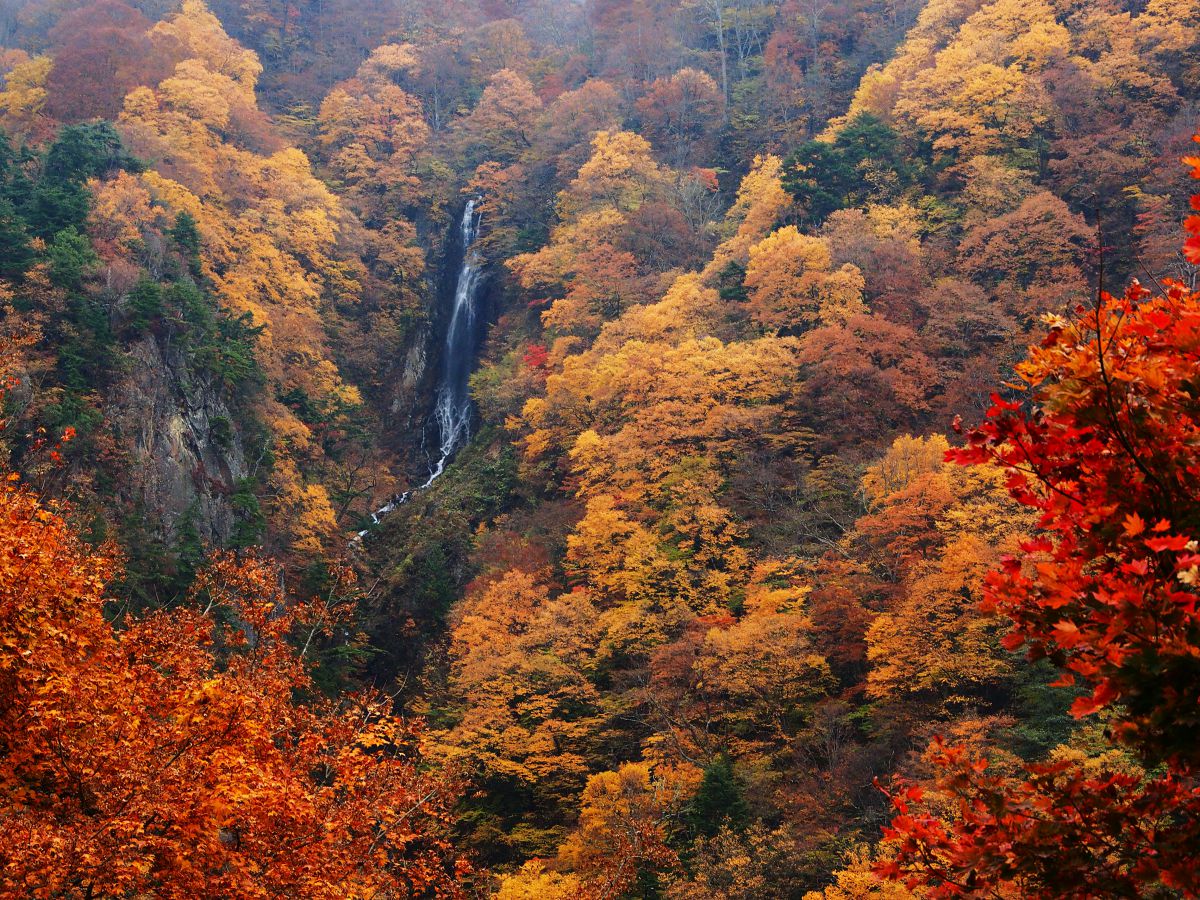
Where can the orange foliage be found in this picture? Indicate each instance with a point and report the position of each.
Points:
(792, 283)
(271, 237)
(169, 758)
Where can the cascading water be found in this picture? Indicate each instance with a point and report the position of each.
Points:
(452, 409)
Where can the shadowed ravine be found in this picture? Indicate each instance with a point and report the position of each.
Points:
(452, 408)
(452, 413)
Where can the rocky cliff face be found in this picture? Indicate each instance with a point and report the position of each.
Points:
(185, 445)
(412, 389)
(412, 415)
(182, 440)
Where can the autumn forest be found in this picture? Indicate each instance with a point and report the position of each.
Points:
(599, 449)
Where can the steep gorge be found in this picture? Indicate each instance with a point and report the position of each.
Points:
(646, 441)
(448, 425)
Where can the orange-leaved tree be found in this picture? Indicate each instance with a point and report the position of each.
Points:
(186, 754)
(1105, 451)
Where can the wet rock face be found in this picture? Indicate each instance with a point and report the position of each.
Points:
(453, 409)
(182, 440)
(429, 411)
(415, 365)
(413, 381)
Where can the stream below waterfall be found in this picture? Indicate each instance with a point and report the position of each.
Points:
(452, 407)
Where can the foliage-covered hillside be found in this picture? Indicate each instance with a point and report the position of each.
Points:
(724, 598)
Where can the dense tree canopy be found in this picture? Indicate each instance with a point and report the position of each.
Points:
(708, 561)
(169, 758)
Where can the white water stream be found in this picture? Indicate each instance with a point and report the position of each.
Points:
(452, 409)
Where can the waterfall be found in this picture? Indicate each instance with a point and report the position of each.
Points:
(452, 408)
(452, 413)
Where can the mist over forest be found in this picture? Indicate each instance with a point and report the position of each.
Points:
(600, 449)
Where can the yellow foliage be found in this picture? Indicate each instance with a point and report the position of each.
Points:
(500, 127)
(520, 666)
(535, 882)
(269, 243)
(935, 642)
(201, 34)
(1169, 26)
(901, 223)
(121, 208)
(200, 93)
(372, 130)
(792, 285)
(653, 405)
(937, 24)
(876, 95)
(760, 670)
(24, 94)
(761, 200)
(620, 817)
(621, 174)
(686, 311)
(618, 557)
(388, 59)
(906, 460)
(967, 74)
(993, 188)
(774, 589)
(584, 271)
(857, 881)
